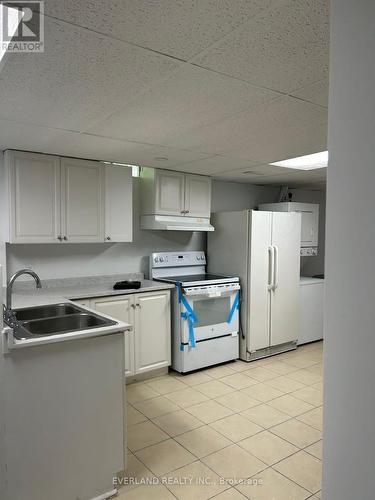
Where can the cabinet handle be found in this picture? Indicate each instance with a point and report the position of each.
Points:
(65, 238)
(59, 238)
(133, 306)
(187, 211)
(182, 211)
(108, 238)
(138, 305)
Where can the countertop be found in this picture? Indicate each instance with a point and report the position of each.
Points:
(64, 290)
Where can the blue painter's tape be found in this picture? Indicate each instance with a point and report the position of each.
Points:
(235, 306)
(190, 316)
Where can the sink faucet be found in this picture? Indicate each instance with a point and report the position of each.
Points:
(13, 279)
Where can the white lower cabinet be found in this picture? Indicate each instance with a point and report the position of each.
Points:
(148, 345)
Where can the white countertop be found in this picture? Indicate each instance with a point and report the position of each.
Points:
(65, 290)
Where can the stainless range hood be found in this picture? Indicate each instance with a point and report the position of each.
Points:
(175, 223)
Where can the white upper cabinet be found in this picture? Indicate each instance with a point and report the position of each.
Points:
(34, 197)
(197, 196)
(48, 199)
(165, 192)
(82, 201)
(118, 203)
(169, 192)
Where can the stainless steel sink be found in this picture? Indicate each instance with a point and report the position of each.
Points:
(65, 324)
(55, 319)
(48, 311)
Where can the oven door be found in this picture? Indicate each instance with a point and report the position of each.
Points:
(213, 315)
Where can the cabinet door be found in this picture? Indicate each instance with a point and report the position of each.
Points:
(122, 309)
(309, 227)
(169, 194)
(197, 196)
(286, 236)
(82, 201)
(118, 203)
(153, 331)
(34, 197)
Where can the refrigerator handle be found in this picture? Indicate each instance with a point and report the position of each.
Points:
(271, 269)
(275, 268)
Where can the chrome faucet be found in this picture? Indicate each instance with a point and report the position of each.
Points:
(13, 279)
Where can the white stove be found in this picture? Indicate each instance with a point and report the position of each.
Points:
(205, 316)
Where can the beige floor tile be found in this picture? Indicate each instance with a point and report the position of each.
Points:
(309, 395)
(261, 374)
(219, 371)
(186, 397)
(265, 416)
(165, 457)
(231, 494)
(166, 384)
(270, 485)
(268, 447)
(239, 366)
(262, 392)
(237, 401)
(177, 422)
(315, 449)
(304, 469)
(135, 473)
(238, 381)
(302, 361)
(280, 367)
(144, 434)
(305, 377)
(236, 427)
(317, 496)
(155, 407)
(139, 392)
(214, 389)
(192, 489)
(290, 405)
(134, 416)
(314, 418)
(297, 433)
(285, 384)
(146, 492)
(318, 369)
(318, 386)
(209, 411)
(234, 463)
(203, 441)
(192, 378)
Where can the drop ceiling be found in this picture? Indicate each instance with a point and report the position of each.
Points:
(218, 87)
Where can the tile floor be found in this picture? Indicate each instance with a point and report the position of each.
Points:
(235, 431)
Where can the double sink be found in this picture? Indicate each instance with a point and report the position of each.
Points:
(55, 319)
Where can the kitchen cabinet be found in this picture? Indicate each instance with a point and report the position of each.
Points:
(118, 204)
(148, 345)
(50, 199)
(121, 308)
(165, 192)
(311, 309)
(33, 197)
(82, 202)
(309, 222)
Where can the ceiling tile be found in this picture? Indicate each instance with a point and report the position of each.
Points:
(180, 28)
(283, 48)
(297, 178)
(316, 93)
(192, 97)
(81, 77)
(282, 128)
(214, 165)
(17, 135)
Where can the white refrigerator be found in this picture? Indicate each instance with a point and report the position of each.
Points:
(263, 249)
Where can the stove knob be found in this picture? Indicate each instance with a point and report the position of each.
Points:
(156, 259)
(198, 257)
(161, 259)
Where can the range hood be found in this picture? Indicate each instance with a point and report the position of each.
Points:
(175, 223)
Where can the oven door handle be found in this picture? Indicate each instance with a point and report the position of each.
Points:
(213, 295)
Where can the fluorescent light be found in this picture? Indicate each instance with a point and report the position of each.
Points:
(307, 162)
(13, 17)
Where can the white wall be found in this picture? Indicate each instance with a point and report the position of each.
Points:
(349, 415)
(228, 196)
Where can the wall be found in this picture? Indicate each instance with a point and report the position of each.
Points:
(313, 265)
(228, 196)
(68, 260)
(349, 423)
